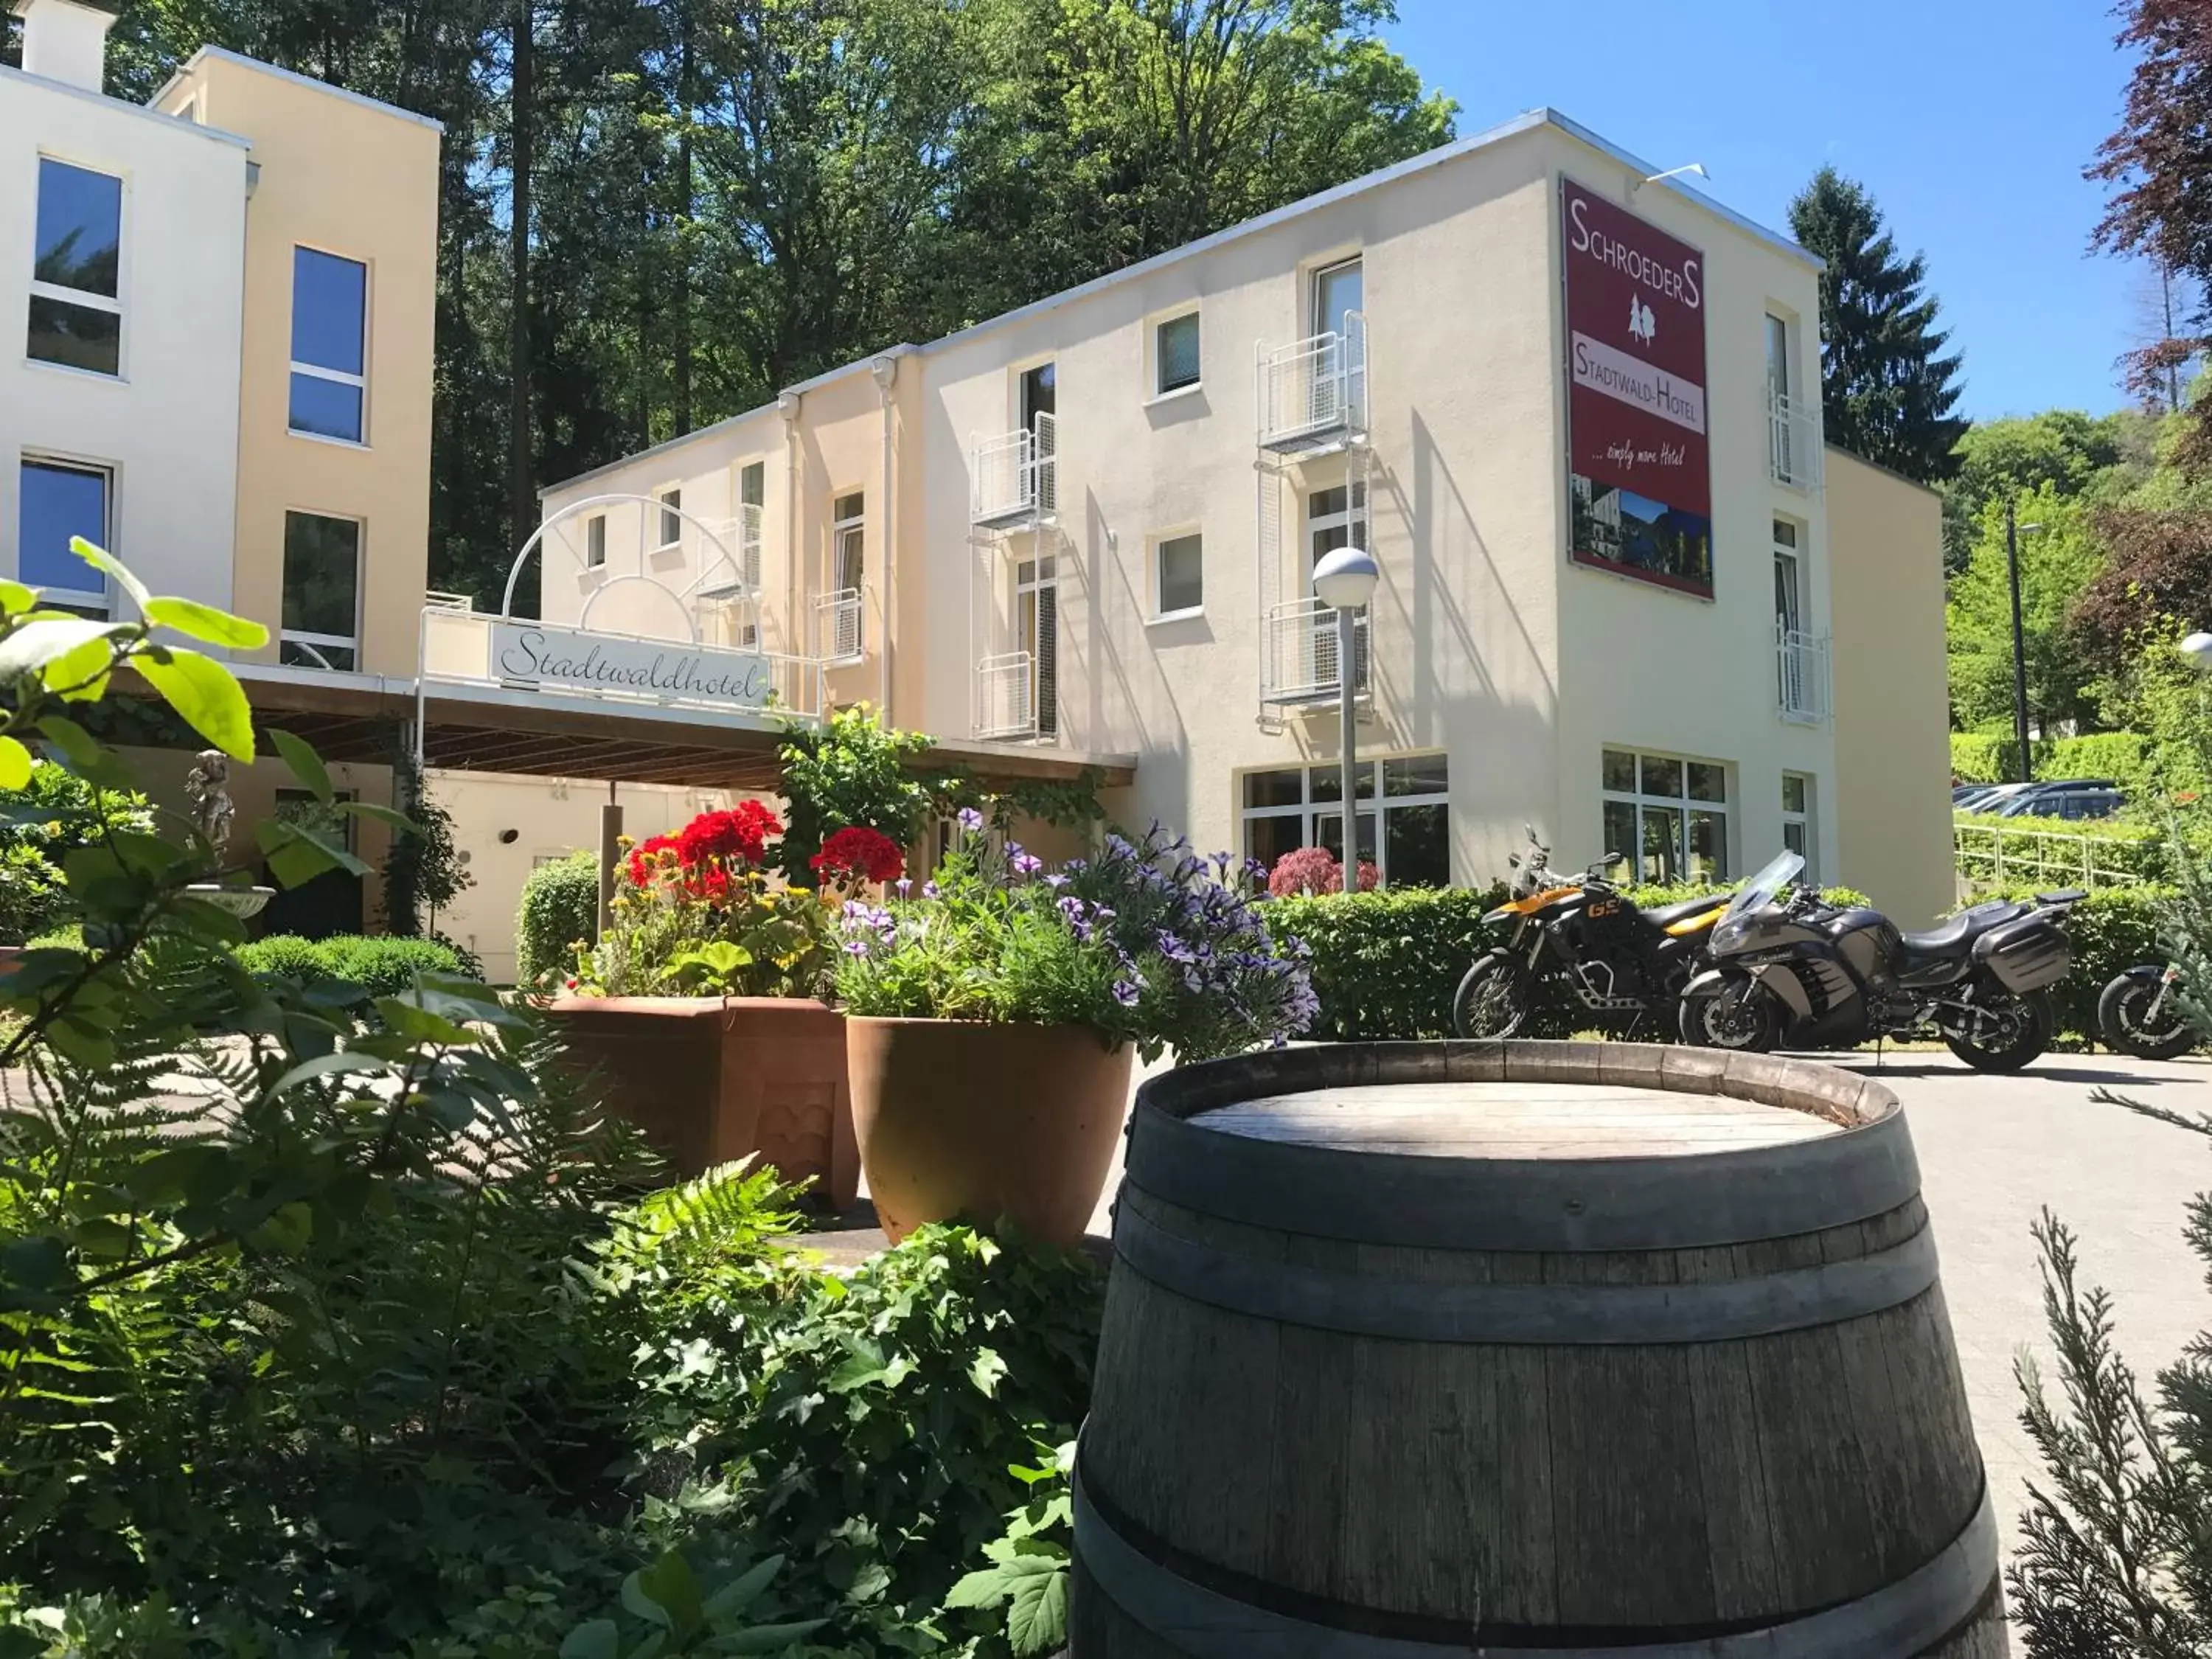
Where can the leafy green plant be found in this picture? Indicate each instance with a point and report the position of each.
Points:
(423, 872)
(851, 770)
(55, 812)
(1027, 1574)
(681, 1615)
(380, 965)
(560, 910)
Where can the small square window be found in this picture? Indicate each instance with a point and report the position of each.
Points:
(1793, 793)
(1274, 788)
(1662, 777)
(1708, 783)
(1420, 775)
(595, 541)
(1177, 348)
(1182, 576)
(671, 518)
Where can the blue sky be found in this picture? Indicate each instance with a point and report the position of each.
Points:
(1968, 120)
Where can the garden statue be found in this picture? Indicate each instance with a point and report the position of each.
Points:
(207, 788)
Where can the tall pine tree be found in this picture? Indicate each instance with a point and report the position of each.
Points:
(1886, 390)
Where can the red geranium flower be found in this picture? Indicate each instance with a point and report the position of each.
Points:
(736, 837)
(860, 852)
(645, 856)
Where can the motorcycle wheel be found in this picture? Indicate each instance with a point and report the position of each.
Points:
(1739, 1017)
(2124, 1016)
(2018, 1039)
(1496, 998)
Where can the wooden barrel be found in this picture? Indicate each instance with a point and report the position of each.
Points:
(1564, 1349)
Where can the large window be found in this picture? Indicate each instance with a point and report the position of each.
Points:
(76, 268)
(1304, 806)
(1181, 585)
(1176, 351)
(322, 592)
(330, 333)
(1667, 817)
(59, 500)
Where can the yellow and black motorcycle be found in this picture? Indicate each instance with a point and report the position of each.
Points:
(1581, 955)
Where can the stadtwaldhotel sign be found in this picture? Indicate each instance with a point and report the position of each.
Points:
(560, 659)
(1639, 475)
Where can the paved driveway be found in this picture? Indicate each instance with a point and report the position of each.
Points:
(1995, 1150)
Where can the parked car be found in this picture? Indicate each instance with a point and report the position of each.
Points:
(2063, 801)
(1986, 796)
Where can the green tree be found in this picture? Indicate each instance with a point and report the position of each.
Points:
(1887, 391)
(2075, 453)
(2056, 561)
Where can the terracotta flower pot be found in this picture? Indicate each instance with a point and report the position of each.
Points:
(712, 1078)
(958, 1117)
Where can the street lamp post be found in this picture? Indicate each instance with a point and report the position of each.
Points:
(1345, 581)
(2019, 648)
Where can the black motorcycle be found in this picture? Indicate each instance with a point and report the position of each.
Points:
(2139, 1014)
(1802, 973)
(1580, 954)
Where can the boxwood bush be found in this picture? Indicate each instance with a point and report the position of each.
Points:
(384, 966)
(560, 906)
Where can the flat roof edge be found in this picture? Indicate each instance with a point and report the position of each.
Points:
(223, 54)
(144, 112)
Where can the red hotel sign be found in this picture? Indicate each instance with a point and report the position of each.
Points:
(1639, 479)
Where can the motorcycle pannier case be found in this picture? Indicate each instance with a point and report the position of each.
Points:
(2026, 954)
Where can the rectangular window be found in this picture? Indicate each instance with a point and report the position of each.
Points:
(322, 592)
(672, 520)
(595, 541)
(841, 606)
(1040, 394)
(329, 336)
(1667, 817)
(1797, 820)
(1175, 347)
(1181, 581)
(1037, 632)
(77, 269)
(1302, 806)
(752, 497)
(58, 500)
(1777, 355)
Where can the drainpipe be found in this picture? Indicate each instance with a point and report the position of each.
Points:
(787, 404)
(885, 369)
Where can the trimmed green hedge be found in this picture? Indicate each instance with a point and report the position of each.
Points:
(1990, 757)
(383, 966)
(2138, 850)
(560, 906)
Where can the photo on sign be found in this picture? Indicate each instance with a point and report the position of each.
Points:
(1640, 484)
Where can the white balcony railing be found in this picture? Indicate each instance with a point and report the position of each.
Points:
(1800, 673)
(1005, 695)
(1014, 477)
(837, 624)
(1793, 441)
(1313, 391)
(741, 538)
(1299, 654)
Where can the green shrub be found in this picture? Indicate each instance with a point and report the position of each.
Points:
(1994, 757)
(560, 909)
(2116, 847)
(51, 815)
(2114, 929)
(383, 965)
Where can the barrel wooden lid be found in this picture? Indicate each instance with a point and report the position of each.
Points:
(1516, 1120)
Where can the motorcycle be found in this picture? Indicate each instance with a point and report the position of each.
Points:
(1580, 947)
(2138, 1014)
(1803, 972)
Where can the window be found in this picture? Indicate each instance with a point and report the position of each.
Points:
(1040, 394)
(1182, 585)
(672, 520)
(1337, 289)
(848, 538)
(752, 496)
(329, 363)
(322, 592)
(1797, 819)
(59, 500)
(1336, 516)
(1668, 817)
(1037, 631)
(1176, 350)
(595, 541)
(1302, 806)
(76, 268)
(1777, 355)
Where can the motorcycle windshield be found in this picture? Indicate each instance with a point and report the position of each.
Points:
(1763, 889)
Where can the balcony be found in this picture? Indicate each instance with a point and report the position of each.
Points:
(1801, 675)
(837, 624)
(1014, 477)
(741, 539)
(1793, 441)
(1313, 392)
(1005, 697)
(1298, 655)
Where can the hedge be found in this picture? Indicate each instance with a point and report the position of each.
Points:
(560, 906)
(384, 966)
(1991, 757)
(2123, 848)
(2114, 929)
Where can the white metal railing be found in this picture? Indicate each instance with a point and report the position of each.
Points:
(439, 600)
(1793, 441)
(742, 536)
(1314, 390)
(837, 624)
(1990, 855)
(1801, 675)
(1299, 654)
(1005, 695)
(1014, 477)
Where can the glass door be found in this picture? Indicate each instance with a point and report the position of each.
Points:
(1789, 615)
(1037, 631)
(1335, 517)
(1339, 291)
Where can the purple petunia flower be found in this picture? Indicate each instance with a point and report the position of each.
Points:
(1055, 881)
(970, 819)
(1024, 863)
(929, 890)
(905, 886)
(856, 947)
(1124, 993)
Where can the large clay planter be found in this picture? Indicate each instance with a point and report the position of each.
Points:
(713, 1079)
(992, 1122)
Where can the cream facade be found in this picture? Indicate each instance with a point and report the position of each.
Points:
(1093, 524)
